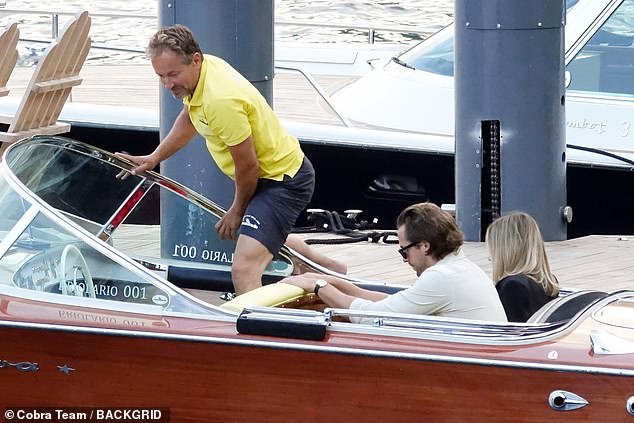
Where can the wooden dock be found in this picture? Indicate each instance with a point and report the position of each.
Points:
(593, 262)
(138, 86)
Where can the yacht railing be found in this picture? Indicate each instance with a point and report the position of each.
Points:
(371, 30)
(324, 95)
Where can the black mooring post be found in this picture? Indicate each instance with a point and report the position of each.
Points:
(510, 119)
(240, 32)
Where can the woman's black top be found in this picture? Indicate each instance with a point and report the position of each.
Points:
(521, 296)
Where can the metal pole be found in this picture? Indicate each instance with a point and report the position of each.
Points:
(55, 26)
(510, 119)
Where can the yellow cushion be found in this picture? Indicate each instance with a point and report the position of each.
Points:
(267, 296)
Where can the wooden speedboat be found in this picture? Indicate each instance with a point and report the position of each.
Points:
(84, 325)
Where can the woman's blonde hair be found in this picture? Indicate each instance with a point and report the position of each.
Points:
(516, 247)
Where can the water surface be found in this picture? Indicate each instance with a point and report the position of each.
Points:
(133, 32)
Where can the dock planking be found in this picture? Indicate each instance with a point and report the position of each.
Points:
(600, 262)
(138, 86)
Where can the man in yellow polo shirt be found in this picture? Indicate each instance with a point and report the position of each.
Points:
(274, 181)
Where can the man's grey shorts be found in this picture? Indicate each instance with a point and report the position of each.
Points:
(276, 205)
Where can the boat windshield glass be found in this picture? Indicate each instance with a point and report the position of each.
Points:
(77, 183)
(39, 252)
(436, 55)
(605, 63)
(46, 258)
(96, 191)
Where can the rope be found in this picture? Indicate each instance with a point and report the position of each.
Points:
(358, 236)
(348, 228)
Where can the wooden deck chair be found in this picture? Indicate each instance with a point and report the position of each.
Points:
(53, 78)
(8, 55)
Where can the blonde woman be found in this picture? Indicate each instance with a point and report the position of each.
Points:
(520, 266)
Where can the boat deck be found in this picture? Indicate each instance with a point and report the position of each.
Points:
(598, 262)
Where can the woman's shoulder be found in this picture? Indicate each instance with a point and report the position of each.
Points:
(515, 279)
(519, 282)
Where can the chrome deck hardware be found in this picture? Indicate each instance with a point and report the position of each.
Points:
(606, 343)
(565, 401)
(629, 406)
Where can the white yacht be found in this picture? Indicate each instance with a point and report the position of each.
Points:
(415, 91)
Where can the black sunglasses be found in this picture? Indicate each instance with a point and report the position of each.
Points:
(403, 250)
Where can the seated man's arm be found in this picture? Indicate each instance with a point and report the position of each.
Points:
(338, 293)
(427, 296)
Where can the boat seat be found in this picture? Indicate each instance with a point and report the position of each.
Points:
(56, 73)
(9, 54)
(274, 295)
(208, 279)
(566, 307)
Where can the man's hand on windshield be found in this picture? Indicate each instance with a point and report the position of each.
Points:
(144, 162)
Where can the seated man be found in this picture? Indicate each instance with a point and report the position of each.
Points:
(448, 283)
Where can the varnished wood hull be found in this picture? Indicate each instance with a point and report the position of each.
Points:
(226, 379)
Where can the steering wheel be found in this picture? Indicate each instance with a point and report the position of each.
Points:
(71, 287)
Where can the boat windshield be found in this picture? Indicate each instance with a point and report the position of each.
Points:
(57, 188)
(95, 189)
(436, 55)
(39, 254)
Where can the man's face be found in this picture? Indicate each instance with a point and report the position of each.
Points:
(179, 78)
(416, 254)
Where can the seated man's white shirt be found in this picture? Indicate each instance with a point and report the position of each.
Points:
(453, 287)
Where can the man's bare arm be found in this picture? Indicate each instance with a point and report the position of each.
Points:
(247, 172)
(181, 133)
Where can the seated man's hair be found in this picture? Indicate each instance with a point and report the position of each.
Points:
(428, 222)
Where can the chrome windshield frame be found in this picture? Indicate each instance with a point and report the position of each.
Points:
(40, 206)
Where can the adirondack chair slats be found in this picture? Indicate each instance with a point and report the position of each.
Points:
(9, 54)
(56, 84)
(55, 75)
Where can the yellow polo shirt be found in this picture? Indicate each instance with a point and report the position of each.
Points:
(226, 108)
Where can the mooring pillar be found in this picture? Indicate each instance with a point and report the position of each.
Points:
(240, 32)
(510, 118)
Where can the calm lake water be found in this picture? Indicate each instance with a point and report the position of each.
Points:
(419, 15)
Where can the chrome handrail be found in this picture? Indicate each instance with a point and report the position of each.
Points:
(320, 91)
(371, 29)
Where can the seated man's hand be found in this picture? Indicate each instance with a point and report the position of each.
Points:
(305, 281)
